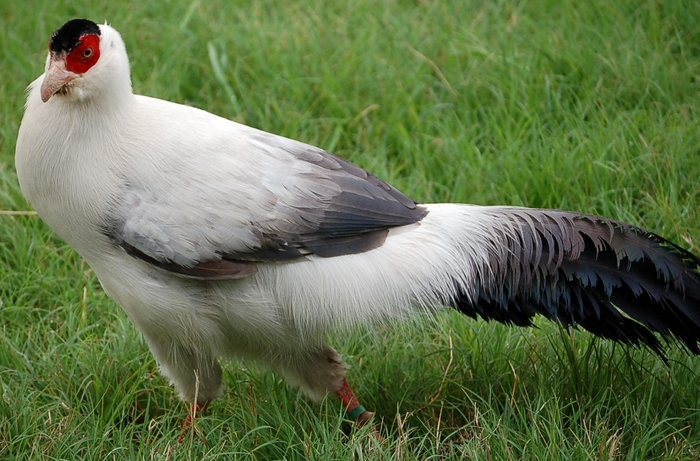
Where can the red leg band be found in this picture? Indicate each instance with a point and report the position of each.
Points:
(350, 402)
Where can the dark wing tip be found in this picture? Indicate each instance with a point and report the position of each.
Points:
(67, 37)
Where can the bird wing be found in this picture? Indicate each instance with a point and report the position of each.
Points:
(215, 213)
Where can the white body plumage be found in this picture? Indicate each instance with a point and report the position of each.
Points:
(209, 171)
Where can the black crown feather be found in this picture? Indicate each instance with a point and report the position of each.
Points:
(68, 36)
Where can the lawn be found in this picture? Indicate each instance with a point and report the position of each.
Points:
(589, 106)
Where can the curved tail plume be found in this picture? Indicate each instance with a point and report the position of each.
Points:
(610, 278)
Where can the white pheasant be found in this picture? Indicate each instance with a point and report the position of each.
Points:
(218, 239)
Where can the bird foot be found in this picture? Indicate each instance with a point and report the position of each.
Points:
(189, 426)
(364, 418)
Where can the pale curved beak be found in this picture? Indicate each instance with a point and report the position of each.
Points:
(56, 78)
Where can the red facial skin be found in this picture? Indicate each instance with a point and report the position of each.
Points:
(85, 55)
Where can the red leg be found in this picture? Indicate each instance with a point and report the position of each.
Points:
(355, 411)
(191, 419)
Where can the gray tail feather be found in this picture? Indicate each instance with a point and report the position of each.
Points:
(615, 280)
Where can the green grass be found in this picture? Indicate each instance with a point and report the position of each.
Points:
(592, 106)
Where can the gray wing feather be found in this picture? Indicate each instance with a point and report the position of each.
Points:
(282, 200)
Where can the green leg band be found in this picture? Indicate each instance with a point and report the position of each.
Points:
(356, 412)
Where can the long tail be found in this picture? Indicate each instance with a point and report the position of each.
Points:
(610, 278)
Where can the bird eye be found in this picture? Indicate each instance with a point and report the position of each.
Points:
(84, 54)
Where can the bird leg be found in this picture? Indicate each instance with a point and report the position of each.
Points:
(189, 424)
(319, 372)
(356, 412)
